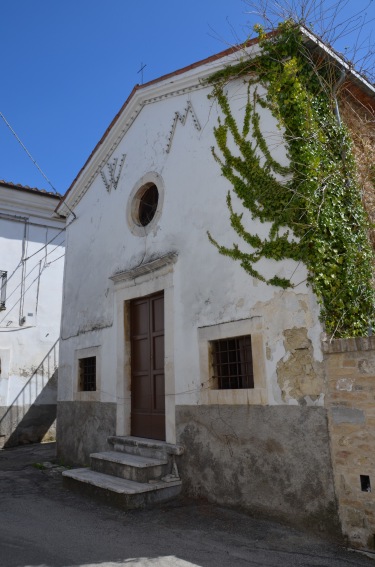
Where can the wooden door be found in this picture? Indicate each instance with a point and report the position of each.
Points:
(147, 367)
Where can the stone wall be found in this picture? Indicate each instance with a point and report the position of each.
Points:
(268, 460)
(83, 428)
(350, 400)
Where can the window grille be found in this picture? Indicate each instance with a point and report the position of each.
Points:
(87, 374)
(233, 363)
(3, 289)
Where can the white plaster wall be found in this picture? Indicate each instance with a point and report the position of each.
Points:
(208, 287)
(24, 346)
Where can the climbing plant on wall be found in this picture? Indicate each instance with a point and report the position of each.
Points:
(313, 205)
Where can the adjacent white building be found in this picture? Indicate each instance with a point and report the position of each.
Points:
(32, 249)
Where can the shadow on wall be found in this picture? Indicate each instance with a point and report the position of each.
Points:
(32, 415)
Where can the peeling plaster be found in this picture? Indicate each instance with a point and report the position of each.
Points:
(299, 376)
(293, 359)
(26, 372)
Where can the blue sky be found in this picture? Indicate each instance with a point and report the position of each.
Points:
(67, 66)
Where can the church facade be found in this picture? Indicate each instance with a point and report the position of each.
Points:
(165, 338)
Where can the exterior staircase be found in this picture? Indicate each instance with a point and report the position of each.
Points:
(135, 473)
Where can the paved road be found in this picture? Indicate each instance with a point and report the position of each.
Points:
(42, 524)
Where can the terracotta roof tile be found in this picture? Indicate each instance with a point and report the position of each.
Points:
(26, 188)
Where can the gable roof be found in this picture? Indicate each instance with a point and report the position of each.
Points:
(141, 88)
(357, 85)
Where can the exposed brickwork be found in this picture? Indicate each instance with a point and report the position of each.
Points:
(350, 400)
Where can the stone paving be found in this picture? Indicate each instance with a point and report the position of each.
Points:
(43, 524)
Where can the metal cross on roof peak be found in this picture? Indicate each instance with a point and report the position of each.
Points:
(141, 71)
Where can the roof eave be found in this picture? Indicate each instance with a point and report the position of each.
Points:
(202, 69)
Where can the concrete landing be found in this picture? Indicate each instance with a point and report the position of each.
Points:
(120, 492)
(119, 485)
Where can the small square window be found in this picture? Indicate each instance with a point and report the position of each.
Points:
(232, 363)
(87, 374)
(3, 289)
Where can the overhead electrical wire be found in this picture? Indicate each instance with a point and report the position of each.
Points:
(23, 261)
(45, 265)
(19, 300)
(22, 264)
(3, 329)
(55, 260)
(45, 245)
(27, 151)
(37, 251)
(34, 161)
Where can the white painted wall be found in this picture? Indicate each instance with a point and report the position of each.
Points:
(208, 288)
(32, 247)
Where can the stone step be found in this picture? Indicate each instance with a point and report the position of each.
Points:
(130, 467)
(145, 447)
(121, 492)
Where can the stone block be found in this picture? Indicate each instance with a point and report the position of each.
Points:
(349, 362)
(347, 415)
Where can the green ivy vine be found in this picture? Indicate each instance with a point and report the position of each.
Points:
(314, 204)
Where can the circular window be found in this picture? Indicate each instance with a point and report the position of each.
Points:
(145, 204)
(148, 204)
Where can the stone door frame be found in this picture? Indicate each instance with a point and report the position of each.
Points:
(147, 279)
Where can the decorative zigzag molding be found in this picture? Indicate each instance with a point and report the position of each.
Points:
(182, 118)
(113, 178)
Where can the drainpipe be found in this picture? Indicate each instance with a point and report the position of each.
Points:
(334, 92)
(337, 112)
(23, 275)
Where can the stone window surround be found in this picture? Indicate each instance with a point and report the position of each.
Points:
(256, 395)
(150, 178)
(82, 395)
